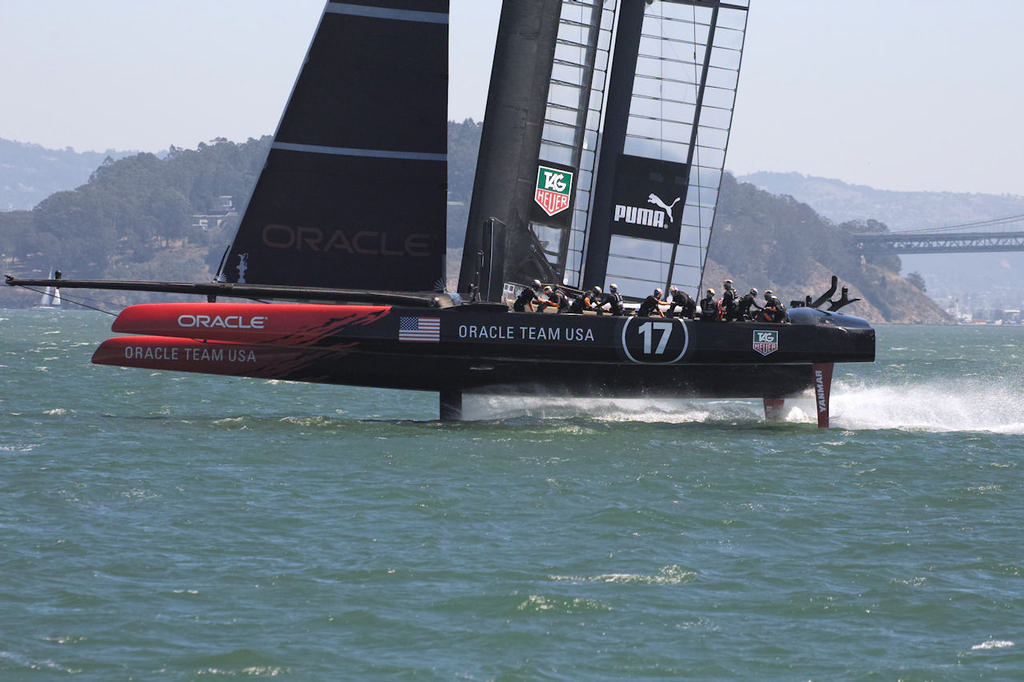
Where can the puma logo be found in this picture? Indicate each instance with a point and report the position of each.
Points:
(667, 208)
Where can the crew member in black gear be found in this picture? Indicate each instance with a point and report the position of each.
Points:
(773, 310)
(745, 303)
(588, 301)
(687, 306)
(652, 305)
(779, 313)
(728, 303)
(709, 307)
(527, 297)
(613, 299)
(556, 299)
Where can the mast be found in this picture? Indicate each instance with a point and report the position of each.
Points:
(510, 142)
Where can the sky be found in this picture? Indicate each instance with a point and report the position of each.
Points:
(911, 95)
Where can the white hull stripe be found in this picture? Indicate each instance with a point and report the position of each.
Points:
(384, 13)
(365, 153)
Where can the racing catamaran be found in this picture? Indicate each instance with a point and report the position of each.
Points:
(601, 160)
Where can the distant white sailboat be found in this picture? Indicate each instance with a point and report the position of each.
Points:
(51, 296)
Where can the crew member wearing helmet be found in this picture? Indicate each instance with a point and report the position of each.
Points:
(555, 299)
(727, 305)
(773, 310)
(527, 297)
(651, 306)
(744, 304)
(687, 306)
(591, 300)
(709, 309)
(613, 299)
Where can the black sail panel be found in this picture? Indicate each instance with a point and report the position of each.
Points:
(353, 194)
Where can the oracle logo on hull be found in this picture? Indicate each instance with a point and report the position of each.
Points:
(222, 322)
(361, 243)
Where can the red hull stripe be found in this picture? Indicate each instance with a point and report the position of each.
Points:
(286, 324)
(231, 359)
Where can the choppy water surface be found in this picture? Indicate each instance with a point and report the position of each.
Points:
(179, 527)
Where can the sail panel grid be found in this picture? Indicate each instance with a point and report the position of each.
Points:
(353, 193)
(680, 112)
(571, 131)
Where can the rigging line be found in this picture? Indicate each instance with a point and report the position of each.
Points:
(66, 299)
(702, 251)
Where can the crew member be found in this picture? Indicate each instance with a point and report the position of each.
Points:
(527, 297)
(588, 301)
(708, 307)
(773, 310)
(779, 314)
(613, 299)
(767, 312)
(651, 306)
(744, 304)
(555, 299)
(687, 306)
(728, 303)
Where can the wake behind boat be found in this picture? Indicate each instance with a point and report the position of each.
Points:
(601, 160)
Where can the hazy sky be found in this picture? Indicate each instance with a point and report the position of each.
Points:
(895, 94)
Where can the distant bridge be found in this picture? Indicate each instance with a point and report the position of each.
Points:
(938, 242)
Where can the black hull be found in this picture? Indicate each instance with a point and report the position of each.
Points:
(487, 349)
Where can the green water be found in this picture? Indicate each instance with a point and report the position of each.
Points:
(182, 527)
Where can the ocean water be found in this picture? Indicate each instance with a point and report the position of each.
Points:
(184, 527)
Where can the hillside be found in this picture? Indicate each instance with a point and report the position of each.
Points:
(978, 281)
(136, 219)
(771, 242)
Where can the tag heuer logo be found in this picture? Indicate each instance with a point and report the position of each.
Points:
(554, 187)
(766, 343)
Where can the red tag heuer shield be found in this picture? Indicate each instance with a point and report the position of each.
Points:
(766, 342)
(554, 188)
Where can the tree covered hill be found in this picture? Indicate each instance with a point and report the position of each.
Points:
(767, 241)
(980, 281)
(136, 219)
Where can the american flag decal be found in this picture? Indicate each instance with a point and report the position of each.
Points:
(419, 329)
